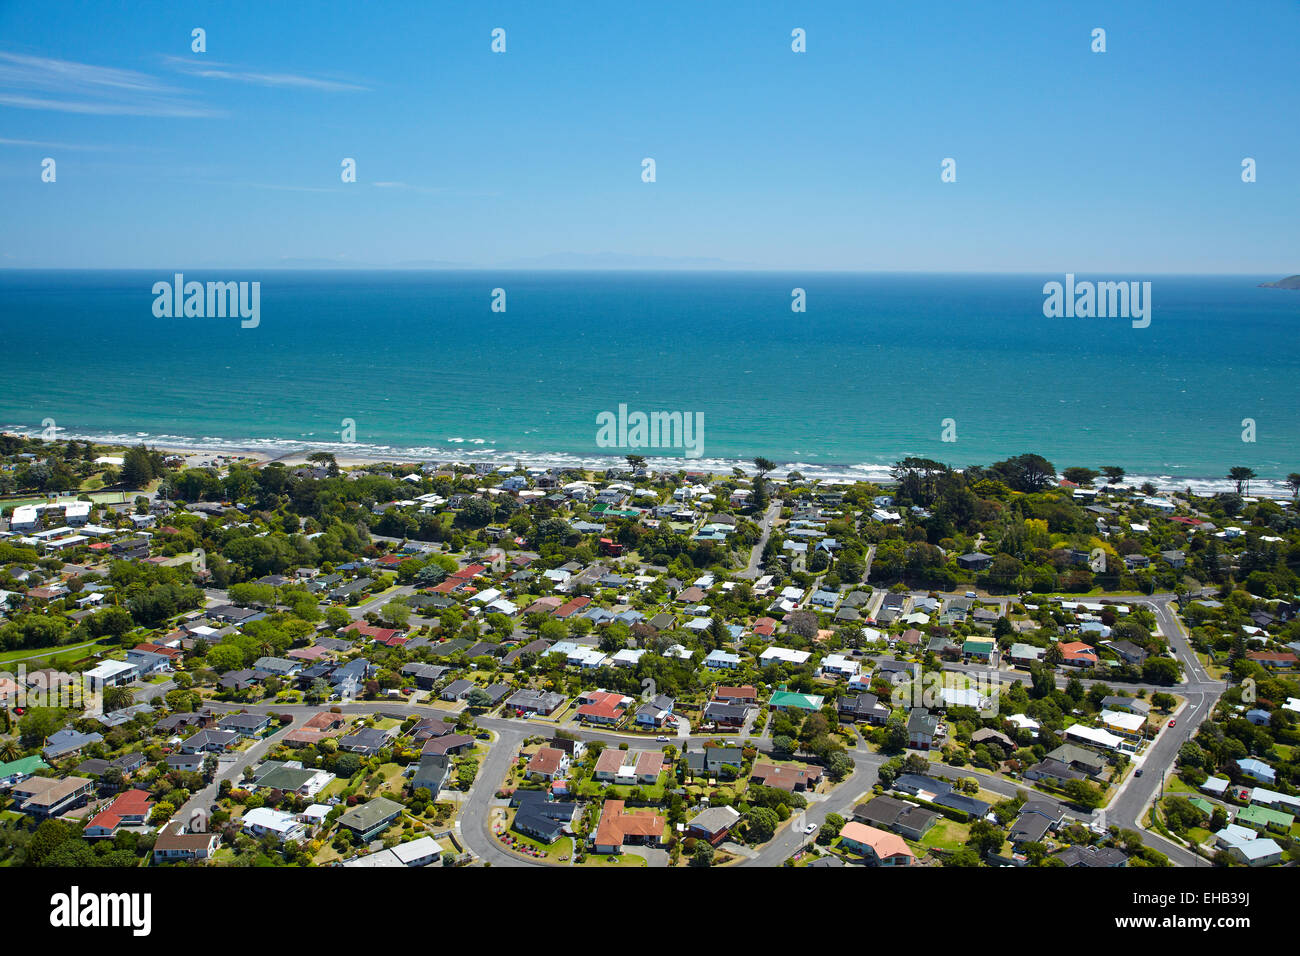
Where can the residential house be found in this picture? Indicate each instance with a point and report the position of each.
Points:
(719, 714)
(922, 729)
(899, 816)
(432, 773)
(548, 763)
(130, 808)
(263, 820)
(619, 826)
(245, 724)
(877, 847)
(540, 817)
(175, 845)
(715, 762)
(529, 701)
(64, 742)
(792, 779)
(367, 820)
(209, 741)
(43, 797)
(656, 712)
(863, 707)
(713, 824)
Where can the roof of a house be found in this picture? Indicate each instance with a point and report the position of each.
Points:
(883, 843)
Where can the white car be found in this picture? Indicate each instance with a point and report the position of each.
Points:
(662, 739)
(810, 828)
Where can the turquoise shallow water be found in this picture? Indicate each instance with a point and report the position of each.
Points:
(867, 375)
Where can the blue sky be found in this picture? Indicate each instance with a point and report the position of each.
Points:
(1067, 160)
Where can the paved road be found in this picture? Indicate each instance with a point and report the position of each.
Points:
(473, 820)
(756, 554)
(1201, 693)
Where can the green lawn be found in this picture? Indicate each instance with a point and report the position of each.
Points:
(389, 778)
(944, 835)
(654, 793)
(551, 853)
(331, 789)
(73, 652)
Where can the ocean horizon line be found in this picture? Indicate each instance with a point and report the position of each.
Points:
(693, 270)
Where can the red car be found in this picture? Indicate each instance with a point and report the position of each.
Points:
(1172, 722)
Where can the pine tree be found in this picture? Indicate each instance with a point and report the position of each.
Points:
(137, 468)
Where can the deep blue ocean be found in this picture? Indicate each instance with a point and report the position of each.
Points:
(866, 375)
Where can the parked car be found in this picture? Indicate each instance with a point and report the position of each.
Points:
(810, 828)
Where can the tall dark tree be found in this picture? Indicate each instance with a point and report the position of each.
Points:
(137, 467)
(1242, 476)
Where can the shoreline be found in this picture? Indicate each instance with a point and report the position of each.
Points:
(295, 453)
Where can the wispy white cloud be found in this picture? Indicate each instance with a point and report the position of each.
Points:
(104, 108)
(44, 145)
(208, 69)
(66, 86)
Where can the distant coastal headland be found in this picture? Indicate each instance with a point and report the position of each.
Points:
(1290, 282)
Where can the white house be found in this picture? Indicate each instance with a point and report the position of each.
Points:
(785, 655)
(837, 665)
(419, 852)
(286, 826)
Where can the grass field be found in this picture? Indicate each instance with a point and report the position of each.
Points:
(71, 652)
(945, 835)
(550, 853)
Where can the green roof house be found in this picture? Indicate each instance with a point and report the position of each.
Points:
(787, 700)
(367, 820)
(1262, 818)
(16, 771)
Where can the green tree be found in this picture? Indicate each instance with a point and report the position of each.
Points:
(1241, 476)
(37, 724)
(137, 467)
(986, 838)
(761, 824)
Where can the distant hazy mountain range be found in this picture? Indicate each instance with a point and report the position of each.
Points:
(555, 260)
